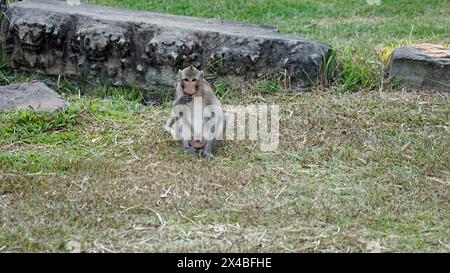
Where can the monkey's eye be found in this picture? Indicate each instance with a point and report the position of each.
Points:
(186, 80)
(194, 80)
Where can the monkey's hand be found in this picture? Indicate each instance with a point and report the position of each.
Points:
(186, 98)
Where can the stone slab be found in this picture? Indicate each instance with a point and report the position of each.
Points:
(423, 66)
(137, 48)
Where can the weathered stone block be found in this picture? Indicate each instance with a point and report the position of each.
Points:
(30, 96)
(423, 66)
(127, 47)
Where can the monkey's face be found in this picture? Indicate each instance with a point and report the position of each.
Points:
(190, 79)
(189, 85)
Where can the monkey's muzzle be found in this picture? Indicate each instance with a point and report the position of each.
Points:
(190, 88)
(198, 144)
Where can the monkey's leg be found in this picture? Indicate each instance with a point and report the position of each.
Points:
(216, 141)
(211, 144)
(207, 151)
(187, 148)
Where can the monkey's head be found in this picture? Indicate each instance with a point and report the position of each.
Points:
(190, 79)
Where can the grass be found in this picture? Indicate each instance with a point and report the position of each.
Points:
(355, 171)
(362, 34)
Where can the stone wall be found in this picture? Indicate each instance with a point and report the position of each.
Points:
(126, 47)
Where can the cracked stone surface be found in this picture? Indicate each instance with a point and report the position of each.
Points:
(127, 47)
(423, 66)
(30, 96)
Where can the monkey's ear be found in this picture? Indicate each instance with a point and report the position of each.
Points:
(202, 75)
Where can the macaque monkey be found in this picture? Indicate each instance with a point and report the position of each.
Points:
(198, 114)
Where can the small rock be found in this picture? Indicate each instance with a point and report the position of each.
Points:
(36, 96)
(373, 247)
(73, 246)
(424, 66)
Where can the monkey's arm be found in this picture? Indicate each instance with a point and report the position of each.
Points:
(169, 123)
(184, 143)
